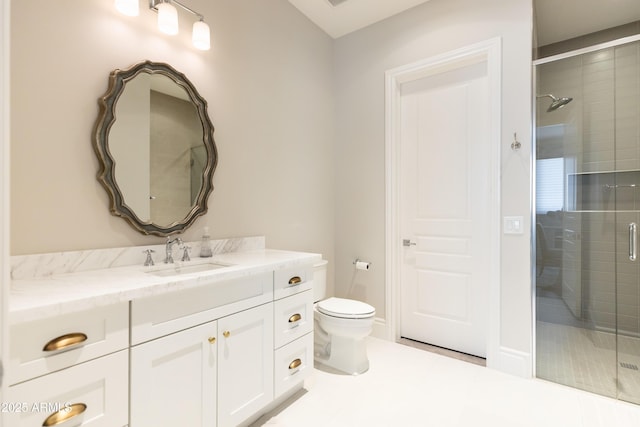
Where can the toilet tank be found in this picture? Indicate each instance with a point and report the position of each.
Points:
(320, 280)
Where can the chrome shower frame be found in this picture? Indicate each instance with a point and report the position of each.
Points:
(532, 178)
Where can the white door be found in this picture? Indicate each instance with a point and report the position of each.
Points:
(445, 208)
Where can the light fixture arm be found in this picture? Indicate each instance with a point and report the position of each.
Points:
(168, 22)
(153, 4)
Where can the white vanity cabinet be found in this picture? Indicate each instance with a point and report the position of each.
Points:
(220, 371)
(214, 349)
(70, 370)
(215, 373)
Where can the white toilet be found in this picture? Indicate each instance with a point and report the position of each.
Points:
(341, 326)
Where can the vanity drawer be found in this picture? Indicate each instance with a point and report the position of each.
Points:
(48, 345)
(293, 363)
(101, 385)
(292, 281)
(165, 314)
(293, 317)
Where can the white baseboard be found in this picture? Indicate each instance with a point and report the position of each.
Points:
(508, 360)
(380, 329)
(512, 362)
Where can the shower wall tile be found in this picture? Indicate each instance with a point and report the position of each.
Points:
(598, 268)
(627, 106)
(597, 99)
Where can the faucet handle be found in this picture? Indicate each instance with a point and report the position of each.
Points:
(149, 260)
(185, 254)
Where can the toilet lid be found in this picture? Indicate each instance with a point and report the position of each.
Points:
(346, 308)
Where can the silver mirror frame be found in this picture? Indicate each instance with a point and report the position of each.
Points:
(106, 174)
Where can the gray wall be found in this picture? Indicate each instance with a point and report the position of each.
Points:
(361, 60)
(268, 83)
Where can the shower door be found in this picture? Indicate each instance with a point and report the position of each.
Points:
(588, 221)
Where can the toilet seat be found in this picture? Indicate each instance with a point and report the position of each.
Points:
(345, 308)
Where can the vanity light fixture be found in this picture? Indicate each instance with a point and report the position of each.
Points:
(168, 22)
(168, 19)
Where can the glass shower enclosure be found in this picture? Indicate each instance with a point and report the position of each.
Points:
(587, 278)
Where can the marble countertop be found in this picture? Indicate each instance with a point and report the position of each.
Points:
(35, 298)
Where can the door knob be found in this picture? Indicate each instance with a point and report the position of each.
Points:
(407, 242)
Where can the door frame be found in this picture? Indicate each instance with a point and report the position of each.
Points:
(489, 51)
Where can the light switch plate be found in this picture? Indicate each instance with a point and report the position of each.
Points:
(513, 225)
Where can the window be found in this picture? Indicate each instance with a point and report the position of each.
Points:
(549, 185)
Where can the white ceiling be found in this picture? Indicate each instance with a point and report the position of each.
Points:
(556, 20)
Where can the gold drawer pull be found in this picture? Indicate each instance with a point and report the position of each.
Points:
(212, 340)
(295, 318)
(295, 364)
(226, 334)
(295, 280)
(65, 341)
(64, 414)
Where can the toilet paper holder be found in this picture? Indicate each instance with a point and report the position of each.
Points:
(361, 265)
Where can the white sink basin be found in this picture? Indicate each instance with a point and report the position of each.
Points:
(178, 270)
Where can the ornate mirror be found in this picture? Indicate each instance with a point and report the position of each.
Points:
(154, 142)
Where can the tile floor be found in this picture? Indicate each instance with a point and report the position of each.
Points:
(410, 387)
(590, 360)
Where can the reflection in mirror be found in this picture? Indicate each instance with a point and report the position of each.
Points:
(155, 144)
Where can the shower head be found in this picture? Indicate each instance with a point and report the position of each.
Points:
(556, 102)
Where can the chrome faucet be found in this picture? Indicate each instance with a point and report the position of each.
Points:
(169, 249)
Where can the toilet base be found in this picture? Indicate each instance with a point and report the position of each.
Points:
(346, 355)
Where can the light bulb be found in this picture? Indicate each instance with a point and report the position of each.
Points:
(167, 18)
(200, 36)
(128, 7)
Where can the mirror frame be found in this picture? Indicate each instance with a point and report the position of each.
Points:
(106, 175)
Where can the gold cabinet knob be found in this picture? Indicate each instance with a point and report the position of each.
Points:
(295, 280)
(212, 340)
(65, 341)
(295, 318)
(226, 334)
(64, 414)
(295, 364)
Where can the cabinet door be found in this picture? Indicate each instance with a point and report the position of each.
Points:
(245, 364)
(173, 379)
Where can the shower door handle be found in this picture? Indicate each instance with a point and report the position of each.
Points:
(633, 241)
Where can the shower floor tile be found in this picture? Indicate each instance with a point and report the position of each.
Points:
(587, 359)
